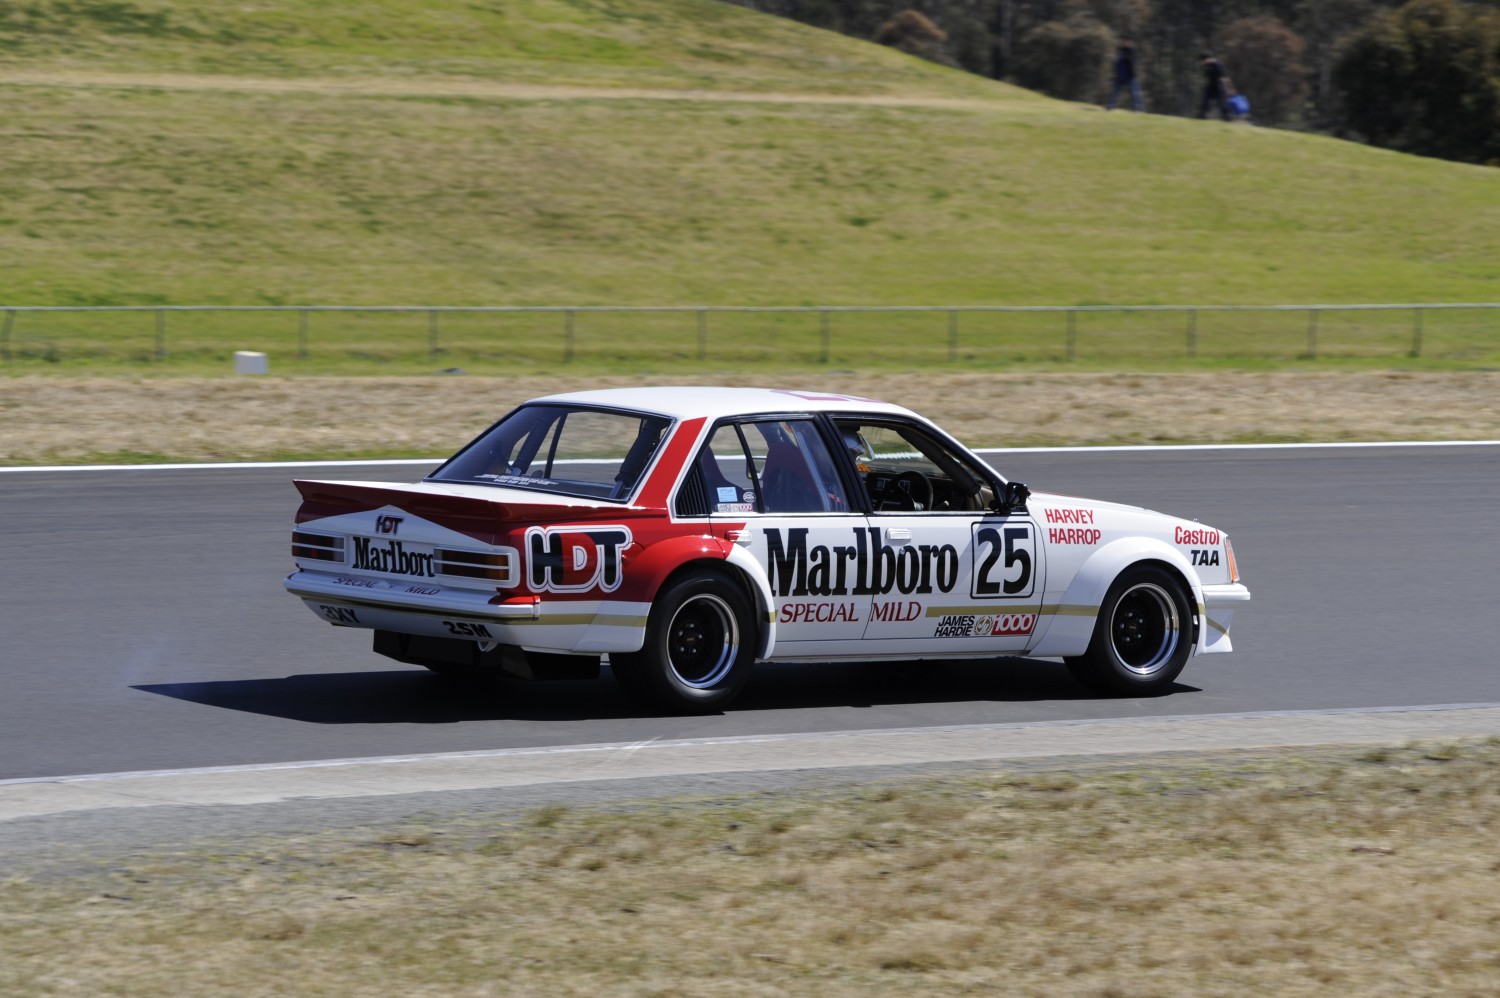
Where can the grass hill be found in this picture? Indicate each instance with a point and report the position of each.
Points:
(654, 152)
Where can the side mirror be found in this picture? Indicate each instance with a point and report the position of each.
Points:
(1011, 497)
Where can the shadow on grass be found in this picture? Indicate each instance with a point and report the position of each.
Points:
(419, 697)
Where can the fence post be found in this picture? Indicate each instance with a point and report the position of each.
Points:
(952, 335)
(432, 334)
(823, 352)
(161, 334)
(702, 334)
(1072, 335)
(1192, 333)
(1312, 333)
(5, 331)
(1416, 332)
(301, 334)
(568, 337)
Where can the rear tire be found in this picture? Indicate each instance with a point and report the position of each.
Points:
(1142, 638)
(700, 646)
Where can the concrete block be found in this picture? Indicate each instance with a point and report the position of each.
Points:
(251, 362)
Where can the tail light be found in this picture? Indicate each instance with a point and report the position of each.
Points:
(498, 567)
(317, 547)
(1234, 570)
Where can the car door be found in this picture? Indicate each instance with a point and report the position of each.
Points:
(950, 574)
(775, 482)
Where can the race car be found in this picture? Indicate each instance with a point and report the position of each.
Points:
(684, 534)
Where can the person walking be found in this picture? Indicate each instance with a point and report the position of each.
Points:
(1125, 76)
(1213, 87)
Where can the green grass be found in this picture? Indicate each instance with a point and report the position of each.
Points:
(146, 188)
(611, 43)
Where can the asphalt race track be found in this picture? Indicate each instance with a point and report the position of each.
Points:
(145, 628)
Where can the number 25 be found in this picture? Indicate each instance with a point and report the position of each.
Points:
(1016, 556)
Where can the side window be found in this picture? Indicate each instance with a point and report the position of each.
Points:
(728, 474)
(905, 470)
(770, 466)
(797, 473)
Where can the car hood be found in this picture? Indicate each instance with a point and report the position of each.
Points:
(1058, 500)
(1054, 507)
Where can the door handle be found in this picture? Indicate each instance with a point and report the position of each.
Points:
(897, 534)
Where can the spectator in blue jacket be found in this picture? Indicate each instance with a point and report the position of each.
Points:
(1125, 76)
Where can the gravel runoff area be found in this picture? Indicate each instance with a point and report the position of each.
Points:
(61, 420)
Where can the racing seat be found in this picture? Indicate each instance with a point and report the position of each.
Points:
(714, 479)
(786, 483)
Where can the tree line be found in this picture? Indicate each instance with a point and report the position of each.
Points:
(1420, 76)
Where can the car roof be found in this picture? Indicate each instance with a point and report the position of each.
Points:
(687, 402)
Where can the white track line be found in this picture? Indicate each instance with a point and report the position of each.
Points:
(229, 466)
(1127, 448)
(1130, 448)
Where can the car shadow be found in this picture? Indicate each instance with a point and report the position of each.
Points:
(1005, 680)
(421, 697)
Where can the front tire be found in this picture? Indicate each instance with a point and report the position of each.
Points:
(700, 645)
(1142, 638)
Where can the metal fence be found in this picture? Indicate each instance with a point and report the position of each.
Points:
(817, 333)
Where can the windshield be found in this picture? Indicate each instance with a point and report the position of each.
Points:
(562, 449)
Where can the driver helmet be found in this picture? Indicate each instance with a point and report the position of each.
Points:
(859, 450)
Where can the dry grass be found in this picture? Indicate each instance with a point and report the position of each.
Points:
(61, 420)
(1329, 874)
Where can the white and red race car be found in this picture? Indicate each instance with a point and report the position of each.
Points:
(687, 533)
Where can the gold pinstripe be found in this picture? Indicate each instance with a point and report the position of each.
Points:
(620, 619)
(1045, 610)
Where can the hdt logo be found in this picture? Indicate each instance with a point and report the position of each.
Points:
(387, 524)
(575, 560)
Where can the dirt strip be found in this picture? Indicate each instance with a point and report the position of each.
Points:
(54, 420)
(447, 87)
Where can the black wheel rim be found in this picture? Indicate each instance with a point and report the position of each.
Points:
(703, 641)
(1145, 628)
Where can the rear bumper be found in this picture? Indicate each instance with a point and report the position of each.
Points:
(408, 598)
(561, 626)
(1219, 603)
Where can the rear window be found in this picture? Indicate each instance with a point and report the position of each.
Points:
(566, 450)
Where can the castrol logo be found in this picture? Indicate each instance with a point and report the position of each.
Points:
(1195, 536)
